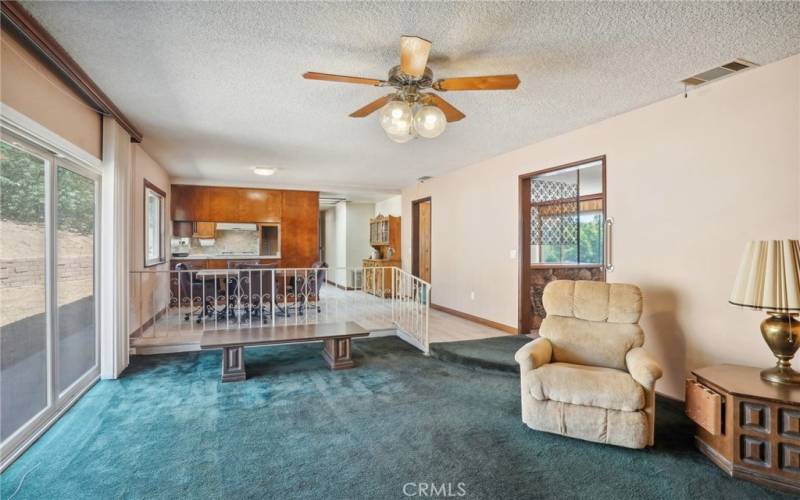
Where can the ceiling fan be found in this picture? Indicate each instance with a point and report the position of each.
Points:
(399, 118)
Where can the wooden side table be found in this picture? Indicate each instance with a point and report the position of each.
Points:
(748, 427)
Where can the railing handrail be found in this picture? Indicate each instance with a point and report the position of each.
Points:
(281, 289)
(222, 270)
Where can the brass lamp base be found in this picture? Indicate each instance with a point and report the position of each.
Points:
(782, 333)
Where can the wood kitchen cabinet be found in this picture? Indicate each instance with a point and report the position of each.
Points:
(223, 203)
(297, 213)
(186, 229)
(226, 204)
(259, 205)
(204, 230)
(300, 228)
(189, 203)
(182, 229)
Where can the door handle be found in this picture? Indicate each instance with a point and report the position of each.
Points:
(609, 255)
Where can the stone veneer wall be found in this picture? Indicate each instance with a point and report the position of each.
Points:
(540, 277)
(20, 272)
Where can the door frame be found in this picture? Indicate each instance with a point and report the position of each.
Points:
(524, 249)
(415, 235)
(58, 400)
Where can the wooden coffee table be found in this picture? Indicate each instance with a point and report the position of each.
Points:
(335, 336)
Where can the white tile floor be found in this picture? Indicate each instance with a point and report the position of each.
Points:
(172, 332)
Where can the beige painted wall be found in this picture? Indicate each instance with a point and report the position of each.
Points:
(347, 239)
(390, 206)
(689, 182)
(31, 88)
(146, 285)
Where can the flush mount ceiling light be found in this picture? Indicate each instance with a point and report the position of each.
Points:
(263, 171)
(408, 113)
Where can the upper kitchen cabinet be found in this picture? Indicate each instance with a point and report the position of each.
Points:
(300, 229)
(259, 205)
(226, 204)
(189, 203)
(223, 204)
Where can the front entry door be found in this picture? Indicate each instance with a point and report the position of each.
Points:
(563, 232)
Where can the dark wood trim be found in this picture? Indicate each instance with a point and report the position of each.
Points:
(564, 166)
(415, 235)
(155, 188)
(524, 316)
(588, 197)
(62, 62)
(524, 312)
(163, 256)
(476, 319)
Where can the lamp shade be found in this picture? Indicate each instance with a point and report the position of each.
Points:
(769, 276)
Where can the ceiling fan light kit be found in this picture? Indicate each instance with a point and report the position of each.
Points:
(408, 113)
(429, 121)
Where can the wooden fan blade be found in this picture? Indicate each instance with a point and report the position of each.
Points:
(371, 107)
(450, 112)
(414, 53)
(339, 78)
(494, 82)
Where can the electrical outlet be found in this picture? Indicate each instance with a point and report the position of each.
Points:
(471, 295)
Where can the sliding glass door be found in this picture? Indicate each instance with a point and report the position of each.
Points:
(23, 294)
(75, 244)
(49, 341)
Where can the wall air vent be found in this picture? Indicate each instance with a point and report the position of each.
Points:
(718, 72)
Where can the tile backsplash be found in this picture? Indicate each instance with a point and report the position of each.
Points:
(227, 241)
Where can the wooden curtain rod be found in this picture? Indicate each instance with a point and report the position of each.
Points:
(61, 61)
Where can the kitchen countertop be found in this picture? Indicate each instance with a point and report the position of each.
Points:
(224, 257)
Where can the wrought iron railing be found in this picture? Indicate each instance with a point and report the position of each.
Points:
(411, 307)
(179, 304)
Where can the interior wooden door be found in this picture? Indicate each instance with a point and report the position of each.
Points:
(422, 211)
(425, 241)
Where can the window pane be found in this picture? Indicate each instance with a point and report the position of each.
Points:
(75, 276)
(23, 320)
(153, 202)
(591, 238)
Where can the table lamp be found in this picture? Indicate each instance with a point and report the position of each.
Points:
(769, 280)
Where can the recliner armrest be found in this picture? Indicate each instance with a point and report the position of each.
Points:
(642, 367)
(534, 354)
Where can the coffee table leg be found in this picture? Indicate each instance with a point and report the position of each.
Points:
(233, 364)
(337, 353)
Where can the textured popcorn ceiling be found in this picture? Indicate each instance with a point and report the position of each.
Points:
(216, 87)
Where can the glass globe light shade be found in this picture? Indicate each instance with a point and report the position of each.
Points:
(429, 122)
(396, 118)
(401, 138)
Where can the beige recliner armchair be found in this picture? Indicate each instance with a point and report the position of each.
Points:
(587, 376)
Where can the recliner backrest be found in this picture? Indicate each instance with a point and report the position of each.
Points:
(591, 322)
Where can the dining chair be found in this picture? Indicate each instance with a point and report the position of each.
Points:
(255, 285)
(189, 290)
(311, 285)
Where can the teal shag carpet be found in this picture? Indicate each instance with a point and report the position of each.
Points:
(169, 429)
(496, 353)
